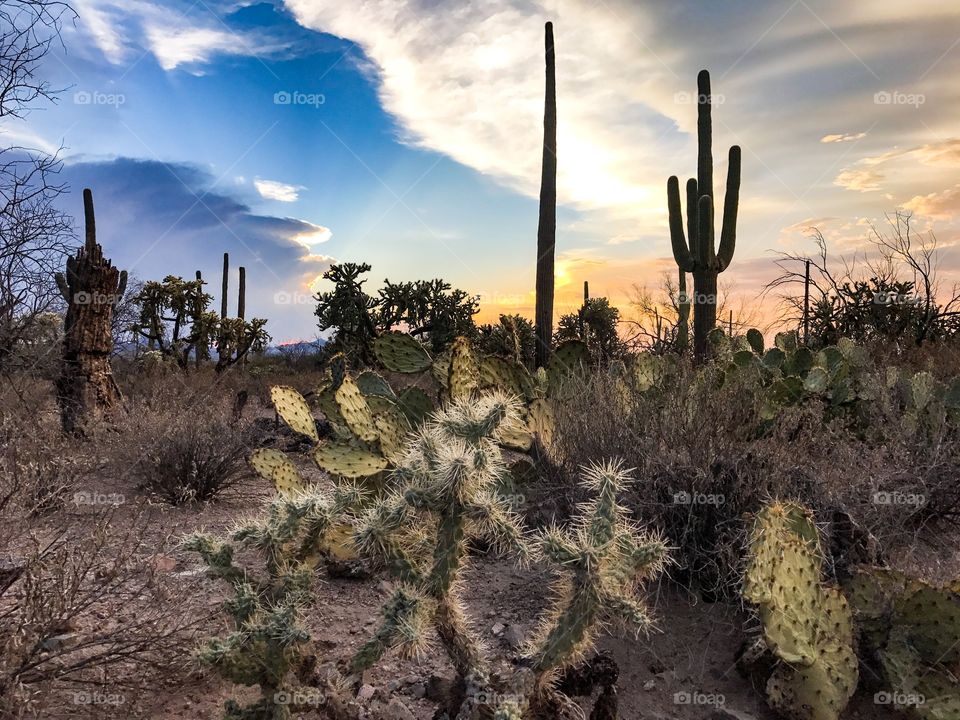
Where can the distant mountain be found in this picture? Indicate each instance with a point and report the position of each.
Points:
(301, 347)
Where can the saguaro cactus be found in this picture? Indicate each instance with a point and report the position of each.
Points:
(547, 228)
(91, 286)
(696, 253)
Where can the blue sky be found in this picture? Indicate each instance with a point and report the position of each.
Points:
(407, 134)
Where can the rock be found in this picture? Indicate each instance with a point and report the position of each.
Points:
(59, 642)
(514, 637)
(418, 691)
(439, 688)
(396, 710)
(498, 628)
(366, 692)
(649, 685)
(163, 563)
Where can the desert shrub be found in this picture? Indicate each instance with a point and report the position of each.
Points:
(595, 323)
(706, 457)
(190, 453)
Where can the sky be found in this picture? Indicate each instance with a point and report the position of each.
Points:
(408, 135)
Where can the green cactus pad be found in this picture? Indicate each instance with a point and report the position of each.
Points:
(755, 338)
(541, 421)
(787, 341)
(349, 461)
(497, 373)
(294, 410)
(807, 624)
(567, 359)
(415, 404)
(392, 428)
(325, 399)
(401, 353)
(774, 358)
(816, 381)
(464, 376)
(647, 371)
(371, 383)
(275, 466)
(353, 406)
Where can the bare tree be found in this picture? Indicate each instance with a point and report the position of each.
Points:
(33, 232)
(890, 289)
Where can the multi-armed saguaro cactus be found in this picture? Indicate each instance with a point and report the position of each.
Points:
(806, 624)
(696, 252)
(267, 647)
(91, 287)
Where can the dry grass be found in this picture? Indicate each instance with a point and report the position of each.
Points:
(706, 461)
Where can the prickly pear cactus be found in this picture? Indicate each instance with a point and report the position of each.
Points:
(275, 466)
(806, 623)
(401, 353)
(914, 629)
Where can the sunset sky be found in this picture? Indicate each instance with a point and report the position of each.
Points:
(408, 135)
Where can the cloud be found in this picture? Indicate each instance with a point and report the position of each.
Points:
(176, 34)
(155, 219)
(861, 180)
(842, 137)
(281, 192)
(943, 205)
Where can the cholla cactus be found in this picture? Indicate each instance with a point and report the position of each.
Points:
(603, 558)
(266, 647)
(449, 479)
(449, 494)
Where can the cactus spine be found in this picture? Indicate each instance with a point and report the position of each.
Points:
(695, 253)
(547, 227)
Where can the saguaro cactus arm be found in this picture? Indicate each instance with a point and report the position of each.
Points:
(547, 226)
(731, 203)
(681, 253)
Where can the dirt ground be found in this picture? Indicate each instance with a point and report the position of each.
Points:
(685, 670)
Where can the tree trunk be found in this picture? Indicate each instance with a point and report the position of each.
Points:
(547, 228)
(86, 389)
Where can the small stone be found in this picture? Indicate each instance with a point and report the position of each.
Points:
(418, 691)
(366, 692)
(59, 642)
(498, 628)
(514, 636)
(649, 685)
(396, 710)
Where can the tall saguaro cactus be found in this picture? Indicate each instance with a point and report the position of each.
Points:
(696, 252)
(547, 227)
(91, 286)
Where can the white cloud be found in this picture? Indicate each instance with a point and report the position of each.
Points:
(281, 192)
(176, 35)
